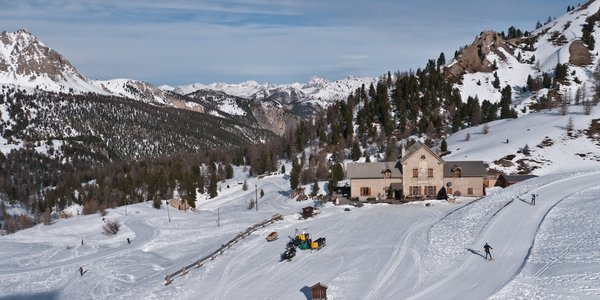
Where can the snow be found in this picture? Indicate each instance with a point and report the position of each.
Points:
(374, 252)
(379, 251)
(317, 90)
(567, 153)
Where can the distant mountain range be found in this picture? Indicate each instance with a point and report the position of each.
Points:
(247, 111)
(26, 62)
(480, 70)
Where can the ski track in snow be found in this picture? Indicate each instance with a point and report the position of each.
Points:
(144, 234)
(387, 259)
(491, 230)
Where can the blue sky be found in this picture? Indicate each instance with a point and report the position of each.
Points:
(182, 41)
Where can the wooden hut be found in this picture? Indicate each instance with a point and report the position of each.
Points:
(308, 212)
(508, 180)
(319, 291)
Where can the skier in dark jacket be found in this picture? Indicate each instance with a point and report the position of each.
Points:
(487, 251)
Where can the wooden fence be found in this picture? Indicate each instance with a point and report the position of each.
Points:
(242, 235)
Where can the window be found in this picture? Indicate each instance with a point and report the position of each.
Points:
(457, 172)
(387, 174)
(415, 190)
(430, 172)
(430, 190)
(365, 191)
(415, 173)
(470, 191)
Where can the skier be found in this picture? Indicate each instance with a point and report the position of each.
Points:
(487, 251)
(81, 271)
(533, 196)
(128, 241)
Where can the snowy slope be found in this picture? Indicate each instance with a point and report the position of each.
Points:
(430, 253)
(552, 148)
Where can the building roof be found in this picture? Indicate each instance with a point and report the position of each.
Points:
(468, 168)
(415, 147)
(372, 170)
(319, 284)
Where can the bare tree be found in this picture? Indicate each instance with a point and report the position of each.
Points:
(526, 150)
(596, 80)
(564, 105)
(587, 107)
(570, 124)
(111, 227)
(485, 129)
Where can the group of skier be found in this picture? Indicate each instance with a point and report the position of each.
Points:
(487, 247)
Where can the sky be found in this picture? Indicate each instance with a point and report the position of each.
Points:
(180, 42)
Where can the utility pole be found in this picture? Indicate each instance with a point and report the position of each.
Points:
(256, 195)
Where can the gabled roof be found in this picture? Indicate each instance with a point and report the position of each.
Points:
(372, 170)
(319, 284)
(414, 148)
(468, 168)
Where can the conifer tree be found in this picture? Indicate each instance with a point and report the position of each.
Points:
(505, 102)
(295, 174)
(496, 82)
(228, 171)
(444, 146)
(315, 189)
(441, 61)
(156, 203)
(337, 174)
(355, 150)
(212, 185)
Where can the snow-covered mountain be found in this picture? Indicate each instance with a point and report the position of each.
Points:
(317, 90)
(27, 62)
(145, 92)
(515, 59)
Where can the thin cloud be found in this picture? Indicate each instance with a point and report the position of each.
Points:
(179, 41)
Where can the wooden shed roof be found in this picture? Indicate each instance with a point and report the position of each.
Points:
(319, 284)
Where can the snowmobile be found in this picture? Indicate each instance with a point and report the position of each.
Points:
(288, 254)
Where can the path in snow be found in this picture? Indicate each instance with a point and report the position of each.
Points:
(511, 232)
(143, 232)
